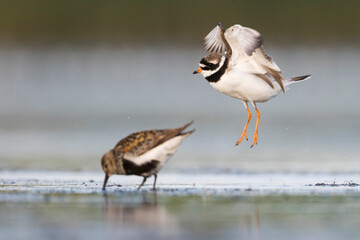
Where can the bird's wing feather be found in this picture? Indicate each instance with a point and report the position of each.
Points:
(139, 143)
(250, 56)
(213, 42)
(159, 153)
(245, 40)
(271, 69)
(249, 39)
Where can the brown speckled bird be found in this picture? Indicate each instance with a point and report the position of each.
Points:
(143, 153)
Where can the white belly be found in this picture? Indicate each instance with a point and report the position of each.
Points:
(246, 87)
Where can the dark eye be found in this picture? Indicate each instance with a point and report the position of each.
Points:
(105, 166)
(205, 68)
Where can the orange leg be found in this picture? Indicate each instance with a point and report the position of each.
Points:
(246, 126)
(256, 137)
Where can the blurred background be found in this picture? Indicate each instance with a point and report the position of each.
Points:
(77, 76)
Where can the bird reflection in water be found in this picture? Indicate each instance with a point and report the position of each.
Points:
(140, 210)
(142, 214)
(249, 225)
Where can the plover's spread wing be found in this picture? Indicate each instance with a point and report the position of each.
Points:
(269, 67)
(243, 40)
(250, 56)
(213, 42)
(262, 58)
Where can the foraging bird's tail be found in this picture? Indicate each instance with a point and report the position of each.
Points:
(180, 129)
(187, 133)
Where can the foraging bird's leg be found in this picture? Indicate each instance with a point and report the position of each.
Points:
(142, 183)
(256, 137)
(246, 125)
(155, 176)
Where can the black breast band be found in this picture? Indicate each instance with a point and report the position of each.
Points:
(217, 75)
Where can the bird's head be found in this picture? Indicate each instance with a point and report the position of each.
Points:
(209, 65)
(108, 165)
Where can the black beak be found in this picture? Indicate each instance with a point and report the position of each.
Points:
(219, 24)
(105, 181)
(195, 72)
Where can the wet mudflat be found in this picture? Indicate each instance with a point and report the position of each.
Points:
(43, 205)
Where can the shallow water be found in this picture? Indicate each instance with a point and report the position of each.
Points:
(149, 216)
(71, 205)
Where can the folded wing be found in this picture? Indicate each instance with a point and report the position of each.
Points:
(137, 144)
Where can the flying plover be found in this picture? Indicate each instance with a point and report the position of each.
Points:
(239, 67)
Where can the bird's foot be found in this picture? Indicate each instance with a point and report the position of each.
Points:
(256, 138)
(241, 138)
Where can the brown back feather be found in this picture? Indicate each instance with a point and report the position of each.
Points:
(140, 142)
